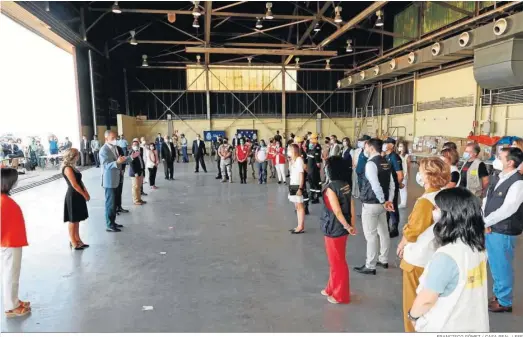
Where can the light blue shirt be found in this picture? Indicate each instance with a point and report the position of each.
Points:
(123, 144)
(443, 275)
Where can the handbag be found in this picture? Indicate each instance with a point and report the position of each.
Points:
(293, 189)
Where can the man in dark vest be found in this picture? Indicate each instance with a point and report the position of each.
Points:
(503, 212)
(377, 192)
(359, 162)
(393, 218)
(313, 168)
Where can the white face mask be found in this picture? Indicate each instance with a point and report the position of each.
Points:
(345, 144)
(361, 144)
(136, 148)
(112, 142)
(436, 215)
(419, 179)
(366, 153)
(466, 156)
(384, 148)
(497, 164)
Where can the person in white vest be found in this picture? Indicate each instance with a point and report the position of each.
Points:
(503, 211)
(452, 295)
(417, 246)
(473, 173)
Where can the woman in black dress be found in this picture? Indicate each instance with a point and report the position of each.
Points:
(75, 208)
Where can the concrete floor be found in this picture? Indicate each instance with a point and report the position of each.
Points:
(230, 265)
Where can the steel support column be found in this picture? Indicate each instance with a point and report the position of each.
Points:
(283, 102)
(126, 91)
(93, 95)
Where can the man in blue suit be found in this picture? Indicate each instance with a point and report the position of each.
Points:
(111, 161)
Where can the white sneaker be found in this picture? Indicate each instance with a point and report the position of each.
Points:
(402, 206)
(332, 300)
(324, 293)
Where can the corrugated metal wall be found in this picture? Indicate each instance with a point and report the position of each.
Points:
(434, 17)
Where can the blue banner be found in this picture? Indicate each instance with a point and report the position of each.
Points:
(247, 133)
(209, 136)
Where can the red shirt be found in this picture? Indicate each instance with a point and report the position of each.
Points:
(13, 233)
(242, 152)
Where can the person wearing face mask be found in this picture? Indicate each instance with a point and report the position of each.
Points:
(377, 192)
(111, 162)
(152, 165)
(393, 218)
(199, 151)
(279, 162)
(473, 173)
(518, 143)
(158, 141)
(271, 153)
(184, 148)
(313, 168)
(242, 155)
(261, 162)
(403, 152)
(451, 158)
(416, 247)
(359, 160)
(136, 172)
(347, 159)
(95, 149)
(217, 144)
(296, 186)
(300, 143)
(225, 152)
(335, 148)
(503, 216)
(168, 157)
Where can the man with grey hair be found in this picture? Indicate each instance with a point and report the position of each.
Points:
(111, 161)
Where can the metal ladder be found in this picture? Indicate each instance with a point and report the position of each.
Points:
(365, 119)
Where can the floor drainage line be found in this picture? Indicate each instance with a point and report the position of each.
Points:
(41, 182)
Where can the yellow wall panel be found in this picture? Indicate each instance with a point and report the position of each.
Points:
(455, 83)
(454, 122)
(507, 119)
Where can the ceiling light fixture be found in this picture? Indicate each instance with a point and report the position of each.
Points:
(116, 9)
(144, 61)
(259, 23)
(379, 21)
(195, 23)
(249, 59)
(337, 17)
(349, 46)
(297, 62)
(133, 39)
(317, 27)
(196, 10)
(268, 14)
(198, 58)
(328, 65)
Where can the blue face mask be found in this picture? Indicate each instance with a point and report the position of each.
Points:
(466, 156)
(311, 146)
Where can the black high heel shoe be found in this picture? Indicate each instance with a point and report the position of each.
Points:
(84, 245)
(76, 247)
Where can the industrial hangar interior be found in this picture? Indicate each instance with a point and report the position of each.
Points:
(196, 254)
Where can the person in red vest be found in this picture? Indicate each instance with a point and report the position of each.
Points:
(271, 154)
(242, 155)
(279, 162)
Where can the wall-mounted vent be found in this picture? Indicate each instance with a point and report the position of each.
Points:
(376, 70)
(412, 58)
(362, 75)
(392, 64)
(435, 49)
(464, 39)
(500, 27)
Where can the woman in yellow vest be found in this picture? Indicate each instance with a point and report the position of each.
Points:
(416, 246)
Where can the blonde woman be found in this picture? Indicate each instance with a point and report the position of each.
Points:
(416, 246)
(519, 144)
(75, 207)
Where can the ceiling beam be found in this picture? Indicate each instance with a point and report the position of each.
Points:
(222, 22)
(228, 6)
(207, 29)
(260, 45)
(276, 16)
(452, 7)
(384, 32)
(261, 31)
(354, 21)
(171, 42)
(181, 31)
(310, 29)
(145, 11)
(245, 51)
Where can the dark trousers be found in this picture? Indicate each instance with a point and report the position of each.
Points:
(393, 218)
(96, 158)
(199, 160)
(262, 171)
(168, 168)
(314, 180)
(85, 158)
(110, 206)
(152, 176)
(118, 195)
(242, 167)
(219, 175)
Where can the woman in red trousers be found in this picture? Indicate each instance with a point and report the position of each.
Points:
(338, 208)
